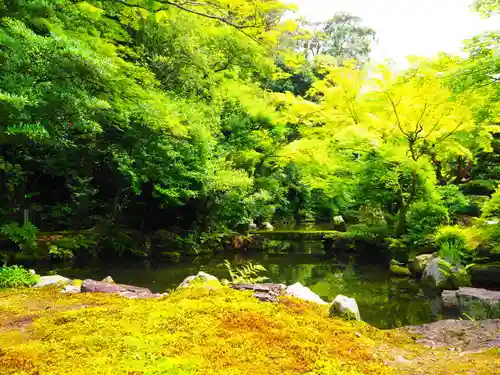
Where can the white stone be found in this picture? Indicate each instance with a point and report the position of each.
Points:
(493, 222)
(345, 307)
(297, 290)
(200, 277)
(252, 226)
(51, 280)
(268, 226)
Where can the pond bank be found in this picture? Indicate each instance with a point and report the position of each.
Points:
(386, 302)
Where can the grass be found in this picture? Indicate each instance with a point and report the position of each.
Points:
(197, 330)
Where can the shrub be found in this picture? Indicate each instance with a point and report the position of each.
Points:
(16, 277)
(23, 236)
(479, 187)
(453, 199)
(455, 236)
(491, 209)
(425, 217)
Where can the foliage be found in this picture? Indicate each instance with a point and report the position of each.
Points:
(492, 208)
(199, 118)
(245, 274)
(342, 37)
(16, 277)
(460, 238)
(459, 276)
(425, 217)
(453, 199)
(24, 236)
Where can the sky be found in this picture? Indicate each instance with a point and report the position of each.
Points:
(406, 27)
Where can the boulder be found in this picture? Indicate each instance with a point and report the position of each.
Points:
(421, 262)
(486, 274)
(434, 277)
(297, 290)
(479, 303)
(449, 299)
(51, 280)
(92, 286)
(108, 280)
(339, 224)
(344, 307)
(264, 292)
(127, 291)
(200, 278)
(252, 226)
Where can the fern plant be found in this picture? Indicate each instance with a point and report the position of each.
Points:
(23, 236)
(245, 274)
(17, 277)
(459, 276)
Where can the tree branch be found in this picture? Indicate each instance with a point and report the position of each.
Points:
(394, 108)
(192, 11)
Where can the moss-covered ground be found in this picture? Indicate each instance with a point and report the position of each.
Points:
(205, 331)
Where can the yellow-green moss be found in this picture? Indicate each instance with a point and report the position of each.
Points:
(195, 330)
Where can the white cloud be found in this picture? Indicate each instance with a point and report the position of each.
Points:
(406, 27)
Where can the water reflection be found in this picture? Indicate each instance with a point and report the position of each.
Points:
(384, 302)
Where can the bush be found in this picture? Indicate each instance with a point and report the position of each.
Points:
(453, 199)
(425, 217)
(491, 209)
(479, 187)
(23, 236)
(16, 277)
(451, 235)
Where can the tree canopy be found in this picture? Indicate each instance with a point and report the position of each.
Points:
(202, 117)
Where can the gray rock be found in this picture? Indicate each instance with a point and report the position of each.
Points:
(344, 307)
(421, 262)
(266, 297)
(434, 277)
(51, 280)
(92, 286)
(297, 290)
(252, 226)
(264, 292)
(72, 289)
(201, 277)
(127, 291)
(277, 289)
(108, 280)
(479, 303)
(449, 299)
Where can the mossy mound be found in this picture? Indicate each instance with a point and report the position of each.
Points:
(195, 330)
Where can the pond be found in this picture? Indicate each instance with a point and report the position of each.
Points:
(384, 301)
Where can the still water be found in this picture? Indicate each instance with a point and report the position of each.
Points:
(384, 301)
